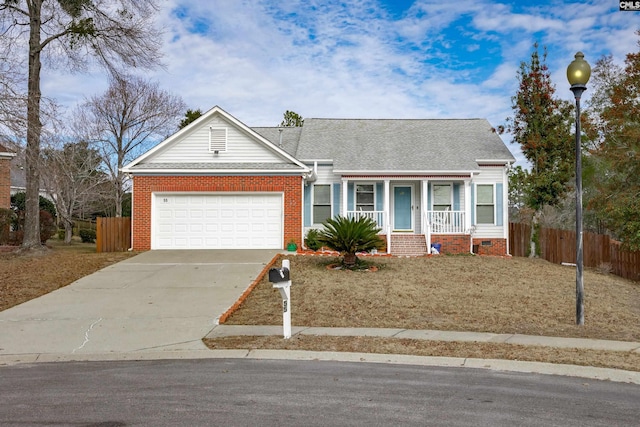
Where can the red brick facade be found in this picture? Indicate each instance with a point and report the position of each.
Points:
(460, 244)
(144, 186)
(5, 182)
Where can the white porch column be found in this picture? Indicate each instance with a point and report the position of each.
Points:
(467, 204)
(345, 197)
(426, 227)
(387, 215)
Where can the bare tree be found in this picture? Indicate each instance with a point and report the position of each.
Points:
(113, 32)
(13, 99)
(73, 180)
(125, 121)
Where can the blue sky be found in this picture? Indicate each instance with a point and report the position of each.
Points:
(367, 58)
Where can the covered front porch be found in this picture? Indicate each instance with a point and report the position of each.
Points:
(412, 212)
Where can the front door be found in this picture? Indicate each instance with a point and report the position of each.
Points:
(402, 205)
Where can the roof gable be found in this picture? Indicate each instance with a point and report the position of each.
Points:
(216, 140)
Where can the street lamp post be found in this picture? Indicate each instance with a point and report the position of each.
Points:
(578, 73)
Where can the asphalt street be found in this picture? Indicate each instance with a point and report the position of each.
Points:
(242, 392)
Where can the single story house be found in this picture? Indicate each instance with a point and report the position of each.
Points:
(219, 183)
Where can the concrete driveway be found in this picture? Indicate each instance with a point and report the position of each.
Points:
(155, 301)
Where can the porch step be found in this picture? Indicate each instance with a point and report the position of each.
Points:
(408, 244)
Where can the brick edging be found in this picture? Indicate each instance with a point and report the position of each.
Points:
(236, 305)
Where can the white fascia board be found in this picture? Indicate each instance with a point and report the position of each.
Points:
(198, 122)
(7, 155)
(320, 161)
(209, 172)
(265, 141)
(170, 139)
(494, 161)
(406, 173)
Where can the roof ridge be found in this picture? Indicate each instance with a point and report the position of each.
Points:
(399, 120)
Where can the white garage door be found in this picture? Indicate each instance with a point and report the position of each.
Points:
(217, 221)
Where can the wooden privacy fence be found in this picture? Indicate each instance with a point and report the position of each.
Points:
(113, 234)
(558, 246)
(519, 235)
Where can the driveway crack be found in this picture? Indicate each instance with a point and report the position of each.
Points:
(86, 335)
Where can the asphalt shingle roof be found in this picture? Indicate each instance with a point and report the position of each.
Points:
(394, 145)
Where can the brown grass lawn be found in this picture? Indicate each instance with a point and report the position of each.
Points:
(466, 293)
(24, 277)
(463, 293)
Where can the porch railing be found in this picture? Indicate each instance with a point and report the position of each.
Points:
(377, 216)
(446, 222)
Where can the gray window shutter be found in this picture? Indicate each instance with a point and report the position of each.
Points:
(379, 196)
(336, 199)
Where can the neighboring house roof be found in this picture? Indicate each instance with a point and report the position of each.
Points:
(366, 146)
(6, 153)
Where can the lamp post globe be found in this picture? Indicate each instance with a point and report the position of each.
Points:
(578, 73)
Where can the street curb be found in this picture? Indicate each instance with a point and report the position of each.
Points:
(497, 365)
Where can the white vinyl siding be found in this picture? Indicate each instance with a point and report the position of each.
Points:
(194, 147)
(489, 175)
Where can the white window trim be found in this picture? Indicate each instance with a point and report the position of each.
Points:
(433, 194)
(313, 202)
(355, 194)
(493, 189)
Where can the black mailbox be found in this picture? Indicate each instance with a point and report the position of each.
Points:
(277, 275)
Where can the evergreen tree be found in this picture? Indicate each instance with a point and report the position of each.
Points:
(189, 117)
(292, 119)
(541, 124)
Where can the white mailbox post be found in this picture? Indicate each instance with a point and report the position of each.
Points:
(281, 280)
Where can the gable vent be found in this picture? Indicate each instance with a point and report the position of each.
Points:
(217, 140)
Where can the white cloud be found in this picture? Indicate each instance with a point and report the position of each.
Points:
(258, 58)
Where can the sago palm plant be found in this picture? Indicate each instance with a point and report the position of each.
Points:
(349, 236)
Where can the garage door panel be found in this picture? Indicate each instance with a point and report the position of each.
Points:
(213, 221)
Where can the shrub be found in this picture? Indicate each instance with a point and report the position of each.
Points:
(311, 240)
(47, 226)
(350, 235)
(18, 202)
(7, 216)
(87, 235)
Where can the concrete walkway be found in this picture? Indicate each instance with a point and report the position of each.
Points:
(430, 335)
